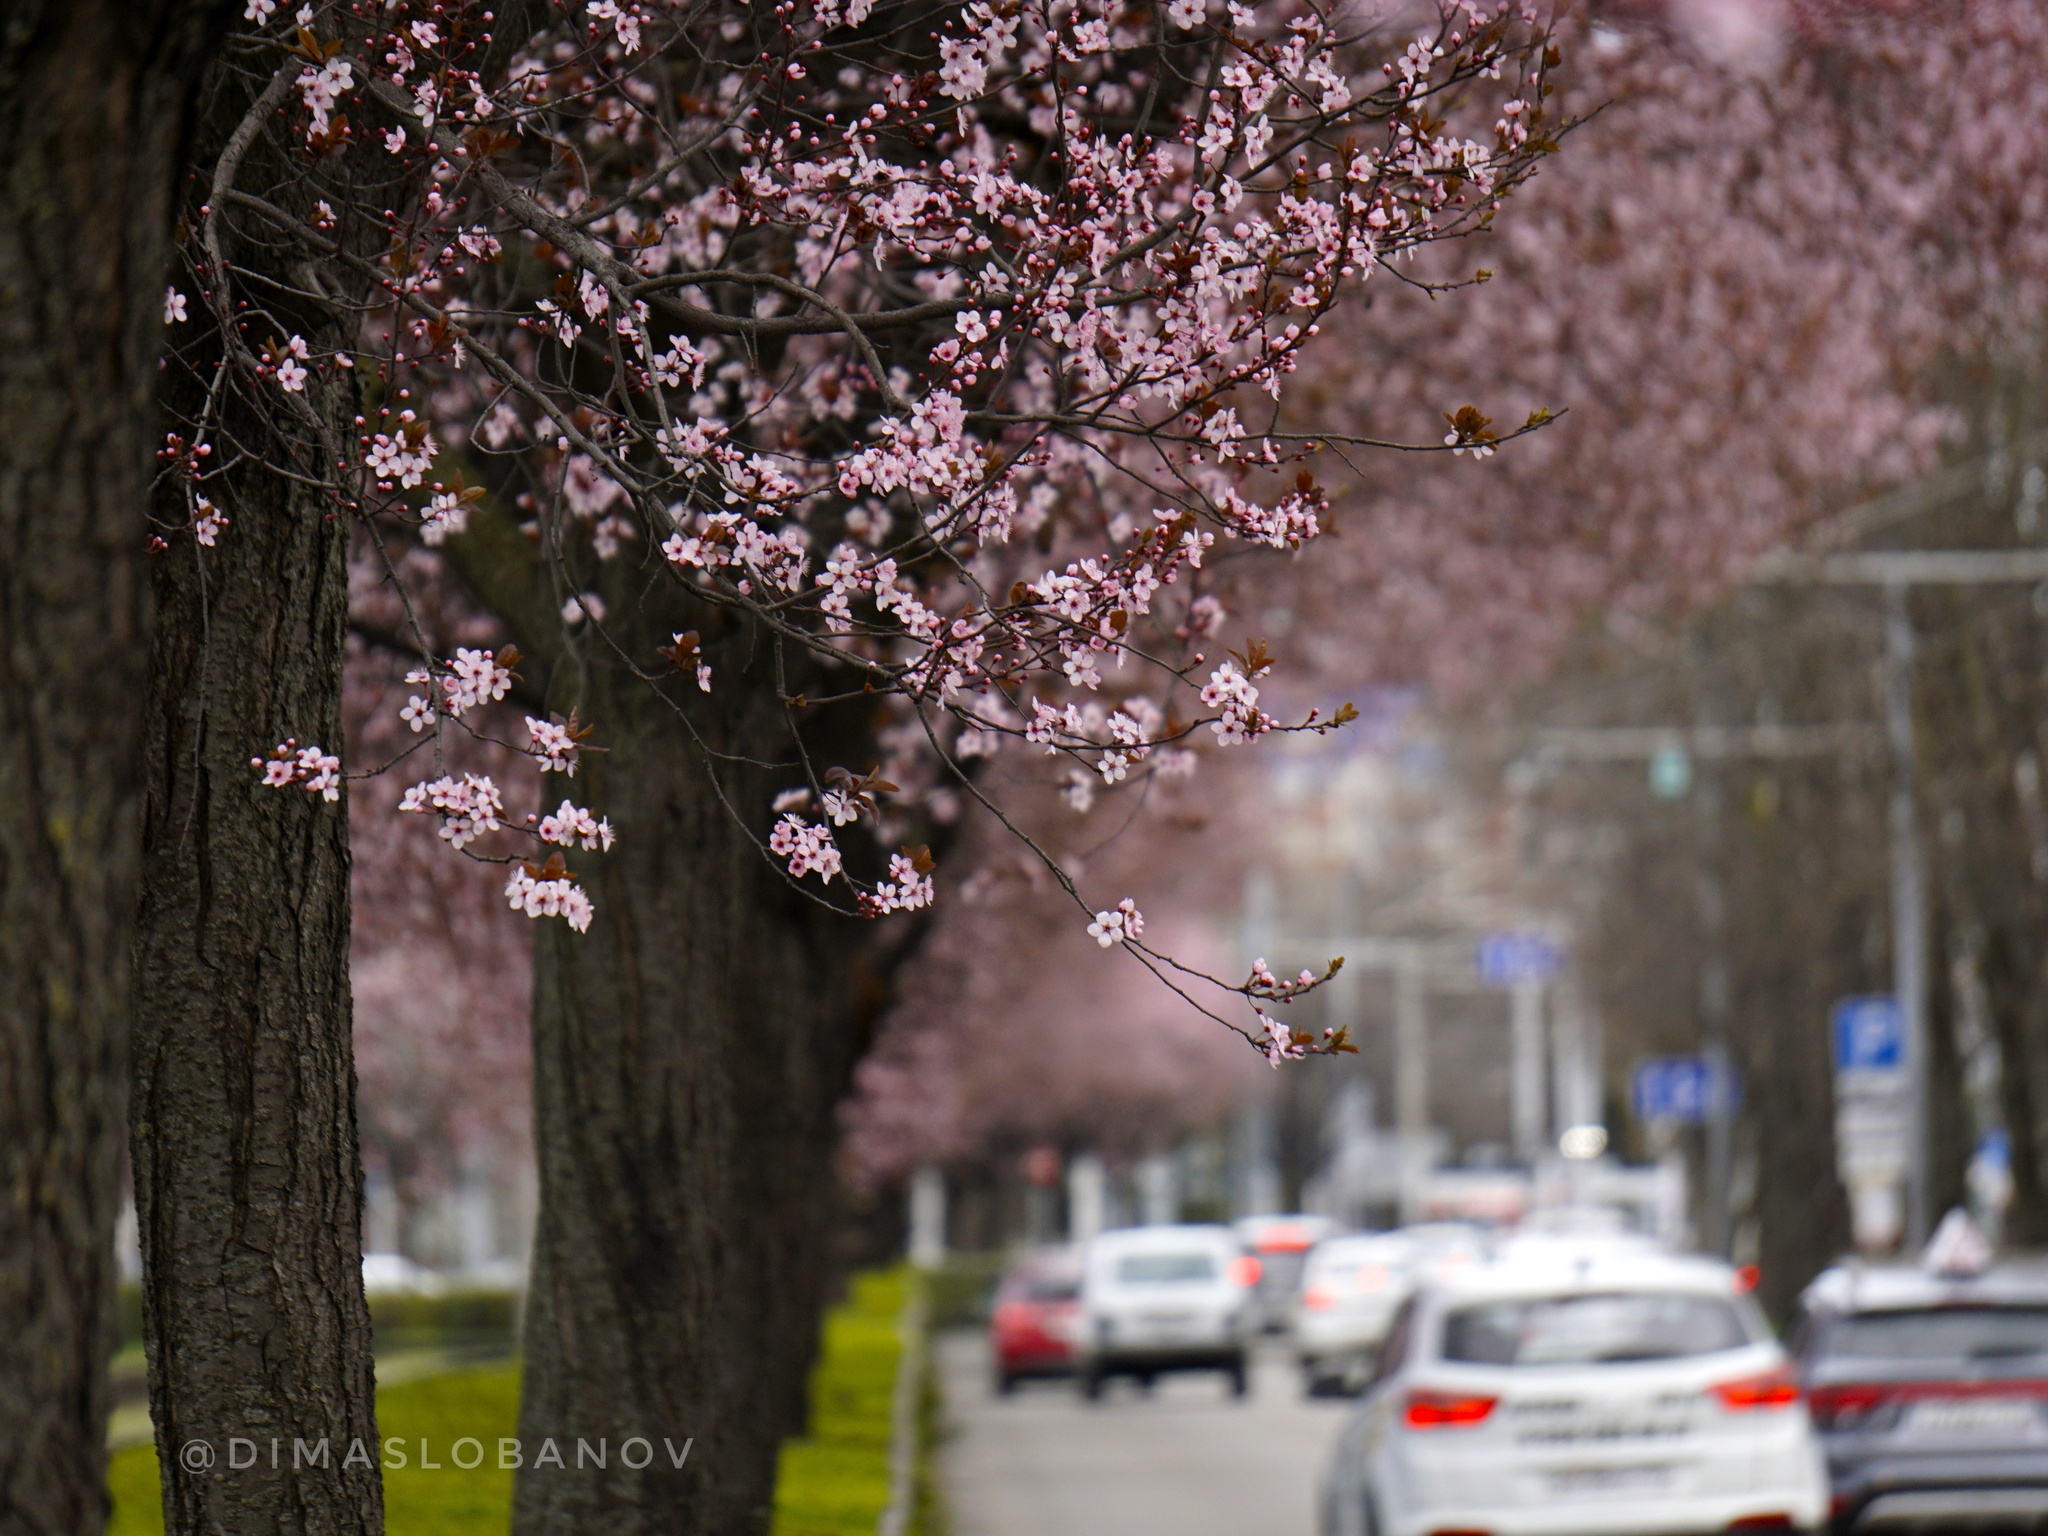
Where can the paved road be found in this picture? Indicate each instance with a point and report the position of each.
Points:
(1185, 1461)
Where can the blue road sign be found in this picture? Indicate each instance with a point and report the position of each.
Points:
(1506, 958)
(1994, 1149)
(1869, 1034)
(1678, 1088)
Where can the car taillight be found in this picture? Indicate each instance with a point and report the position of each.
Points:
(1013, 1314)
(1772, 1389)
(1319, 1298)
(1244, 1271)
(1447, 1410)
(1844, 1407)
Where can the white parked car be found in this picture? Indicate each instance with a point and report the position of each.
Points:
(1349, 1294)
(1576, 1393)
(1160, 1299)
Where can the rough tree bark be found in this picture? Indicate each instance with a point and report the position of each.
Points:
(94, 103)
(685, 1064)
(688, 1054)
(248, 1175)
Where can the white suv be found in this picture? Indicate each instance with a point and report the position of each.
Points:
(1159, 1299)
(1585, 1390)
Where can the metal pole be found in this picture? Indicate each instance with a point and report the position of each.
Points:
(1525, 1083)
(1411, 1080)
(1714, 1004)
(1710, 901)
(1909, 901)
(1570, 1102)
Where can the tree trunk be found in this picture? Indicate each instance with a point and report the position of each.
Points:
(1950, 1143)
(1790, 972)
(94, 102)
(248, 1171)
(689, 1052)
(248, 1180)
(2011, 997)
(247, 1174)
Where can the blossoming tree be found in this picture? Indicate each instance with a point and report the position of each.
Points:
(825, 399)
(1781, 269)
(1767, 280)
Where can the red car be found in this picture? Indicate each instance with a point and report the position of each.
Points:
(1037, 1308)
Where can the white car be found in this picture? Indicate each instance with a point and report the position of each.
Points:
(1349, 1294)
(1160, 1299)
(1578, 1392)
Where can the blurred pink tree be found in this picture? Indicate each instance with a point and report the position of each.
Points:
(1759, 281)
(442, 974)
(1755, 279)
(1013, 1029)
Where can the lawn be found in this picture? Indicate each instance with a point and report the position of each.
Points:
(418, 1501)
(834, 1482)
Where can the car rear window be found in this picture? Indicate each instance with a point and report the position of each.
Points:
(1945, 1333)
(1593, 1329)
(1045, 1288)
(1166, 1268)
(1281, 1271)
(1342, 1267)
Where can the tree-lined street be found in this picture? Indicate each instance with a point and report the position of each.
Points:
(656, 656)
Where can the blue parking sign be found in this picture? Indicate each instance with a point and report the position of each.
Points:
(1869, 1034)
(1679, 1088)
(1508, 957)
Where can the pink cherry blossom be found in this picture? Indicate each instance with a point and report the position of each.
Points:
(991, 367)
(550, 742)
(1119, 925)
(808, 849)
(289, 763)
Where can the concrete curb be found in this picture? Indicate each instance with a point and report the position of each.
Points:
(911, 1328)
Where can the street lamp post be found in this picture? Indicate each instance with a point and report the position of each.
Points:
(1525, 1064)
(1411, 1081)
(1909, 902)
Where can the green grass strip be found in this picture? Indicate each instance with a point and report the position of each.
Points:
(832, 1482)
(418, 1501)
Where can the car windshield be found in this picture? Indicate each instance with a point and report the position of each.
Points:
(1165, 1268)
(1592, 1329)
(1945, 1333)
